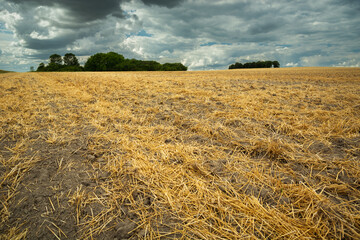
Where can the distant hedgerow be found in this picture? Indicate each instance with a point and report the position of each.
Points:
(258, 64)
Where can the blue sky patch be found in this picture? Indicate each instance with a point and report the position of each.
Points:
(214, 43)
(141, 33)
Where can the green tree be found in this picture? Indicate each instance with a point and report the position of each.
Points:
(173, 67)
(70, 60)
(268, 64)
(53, 67)
(72, 69)
(95, 63)
(56, 59)
(150, 66)
(41, 67)
(276, 64)
(238, 65)
(110, 61)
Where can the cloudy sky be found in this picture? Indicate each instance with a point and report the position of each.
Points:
(201, 34)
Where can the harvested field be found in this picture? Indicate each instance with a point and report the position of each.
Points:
(236, 154)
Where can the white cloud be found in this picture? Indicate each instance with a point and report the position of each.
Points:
(291, 64)
(10, 18)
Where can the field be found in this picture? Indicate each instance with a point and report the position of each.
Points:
(235, 154)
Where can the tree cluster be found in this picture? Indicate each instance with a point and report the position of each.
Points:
(259, 64)
(116, 62)
(110, 61)
(68, 63)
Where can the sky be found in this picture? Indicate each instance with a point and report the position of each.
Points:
(201, 34)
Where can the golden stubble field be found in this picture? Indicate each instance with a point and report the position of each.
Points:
(236, 154)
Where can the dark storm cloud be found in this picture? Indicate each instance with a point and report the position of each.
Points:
(165, 3)
(89, 10)
(51, 44)
(264, 27)
(352, 3)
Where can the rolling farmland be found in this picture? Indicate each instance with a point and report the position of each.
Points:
(252, 153)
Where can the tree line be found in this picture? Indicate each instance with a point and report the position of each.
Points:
(258, 64)
(110, 61)
(68, 63)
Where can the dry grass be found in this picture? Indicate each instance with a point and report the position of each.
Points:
(254, 154)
